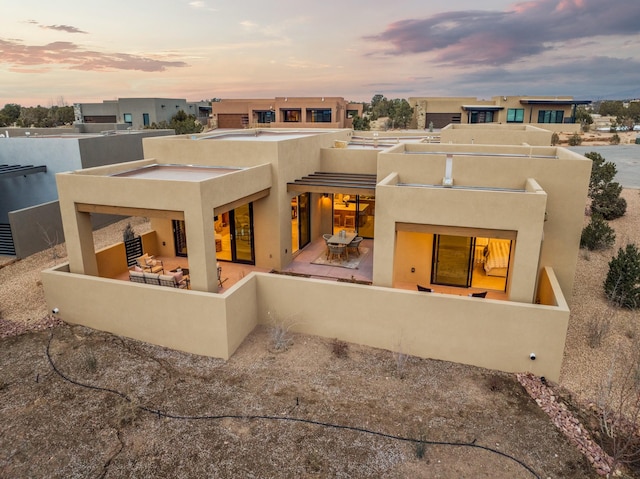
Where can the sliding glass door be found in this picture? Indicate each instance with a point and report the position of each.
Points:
(241, 221)
(467, 261)
(452, 260)
(233, 235)
(300, 221)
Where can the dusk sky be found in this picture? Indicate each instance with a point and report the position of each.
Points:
(69, 51)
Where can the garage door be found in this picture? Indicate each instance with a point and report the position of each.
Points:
(232, 120)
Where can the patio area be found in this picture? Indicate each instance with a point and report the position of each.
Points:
(305, 264)
(301, 264)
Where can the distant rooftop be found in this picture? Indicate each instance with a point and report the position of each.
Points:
(258, 135)
(177, 172)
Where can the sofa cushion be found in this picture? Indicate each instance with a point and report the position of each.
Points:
(152, 278)
(178, 275)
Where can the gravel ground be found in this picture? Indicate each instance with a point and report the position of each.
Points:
(585, 367)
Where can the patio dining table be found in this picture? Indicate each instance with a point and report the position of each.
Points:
(342, 240)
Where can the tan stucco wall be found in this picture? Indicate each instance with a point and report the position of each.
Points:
(197, 200)
(194, 322)
(413, 250)
(563, 177)
(341, 160)
(490, 134)
(522, 213)
(486, 333)
(288, 160)
(111, 260)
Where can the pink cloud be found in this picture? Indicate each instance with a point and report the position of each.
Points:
(498, 37)
(71, 55)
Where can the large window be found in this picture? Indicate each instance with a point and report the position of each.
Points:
(291, 116)
(265, 116)
(128, 118)
(515, 115)
(319, 116)
(481, 117)
(550, 116)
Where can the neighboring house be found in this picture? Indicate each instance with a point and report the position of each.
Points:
(29, 209)
(285, 112)
(138, 113)
(451, 215)
(550, 113)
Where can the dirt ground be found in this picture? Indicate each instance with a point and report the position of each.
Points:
(599, 138)
(121, 408)
(107, 406)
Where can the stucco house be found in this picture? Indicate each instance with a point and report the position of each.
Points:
(138, 113)
(29, 161)
(552, 113)
(285, 112)
(457, 218)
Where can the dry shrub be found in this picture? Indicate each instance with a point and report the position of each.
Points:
(400, 358)
(598, 328)
(340, 349)
(280, 336)
(619, 408)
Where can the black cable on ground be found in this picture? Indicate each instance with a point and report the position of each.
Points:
(160, 413)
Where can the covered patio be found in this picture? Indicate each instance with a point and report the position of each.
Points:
(302, 264)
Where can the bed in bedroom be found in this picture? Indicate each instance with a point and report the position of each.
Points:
(496, 257)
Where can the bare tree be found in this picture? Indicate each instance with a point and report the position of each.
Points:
(619, 408)
(52, 243)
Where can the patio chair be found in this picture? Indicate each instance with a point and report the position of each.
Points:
(326, 238)
(172, 281)
(483, 294)
(149, 264)
(355, 244)
(424, 289)
(336, 251)
(136, 276)
(220, 280)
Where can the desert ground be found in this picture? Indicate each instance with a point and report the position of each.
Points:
(599, 138)
(82, 403)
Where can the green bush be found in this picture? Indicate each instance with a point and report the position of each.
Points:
(622, 286)
(555, 139)
(615, 139)
(603, 191)
(575, 139)
(597, 235)
(608, 203)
